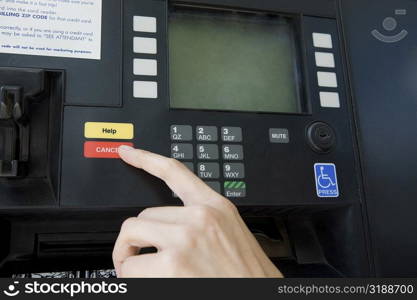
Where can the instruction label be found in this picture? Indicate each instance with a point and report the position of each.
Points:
(61, 28)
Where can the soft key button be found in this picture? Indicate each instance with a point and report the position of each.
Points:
(146, 67)
(327, 79)
(144, 45)
(103, 149)
(322, 40)
(144, 24)
(145, 89)
(328, 99)
(325, 60)
(102, 130)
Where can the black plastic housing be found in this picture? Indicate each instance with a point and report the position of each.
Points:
(66, 212)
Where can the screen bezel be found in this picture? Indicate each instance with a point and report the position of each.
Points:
(303, 106)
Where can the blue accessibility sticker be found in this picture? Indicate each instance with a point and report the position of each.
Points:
(326, 180)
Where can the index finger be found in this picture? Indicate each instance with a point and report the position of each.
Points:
(189, 188)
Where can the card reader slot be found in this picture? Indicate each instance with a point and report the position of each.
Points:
(19, 87)
(95, 244)
(31, 103)
(8, 137)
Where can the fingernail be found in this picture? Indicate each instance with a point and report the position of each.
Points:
(125, 148)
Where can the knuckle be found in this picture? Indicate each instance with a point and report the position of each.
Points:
(144, 213)
(128, 223)
(209, 222)
(176, 263)
(205, 215)
(173, 259)
(188, 237)
(227, 206)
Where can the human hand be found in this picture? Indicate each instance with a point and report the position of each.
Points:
(205, 238)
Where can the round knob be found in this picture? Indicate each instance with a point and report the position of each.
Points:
(321, 137)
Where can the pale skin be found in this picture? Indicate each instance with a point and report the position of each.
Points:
(204, 238)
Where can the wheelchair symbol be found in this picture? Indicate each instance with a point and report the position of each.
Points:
(324, 181)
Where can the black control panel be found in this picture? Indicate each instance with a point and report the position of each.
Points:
(253, 158)
(295, 136)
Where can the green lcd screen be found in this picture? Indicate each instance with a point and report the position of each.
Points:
(232, 61)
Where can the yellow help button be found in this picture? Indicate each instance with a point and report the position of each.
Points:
(102, 130)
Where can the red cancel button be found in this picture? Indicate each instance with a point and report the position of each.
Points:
(103, 149)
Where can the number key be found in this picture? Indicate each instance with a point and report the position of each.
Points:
(207, 133)
(207, 152)
(182, 151)
(181, 133)
(233, 152)
(231, 134)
